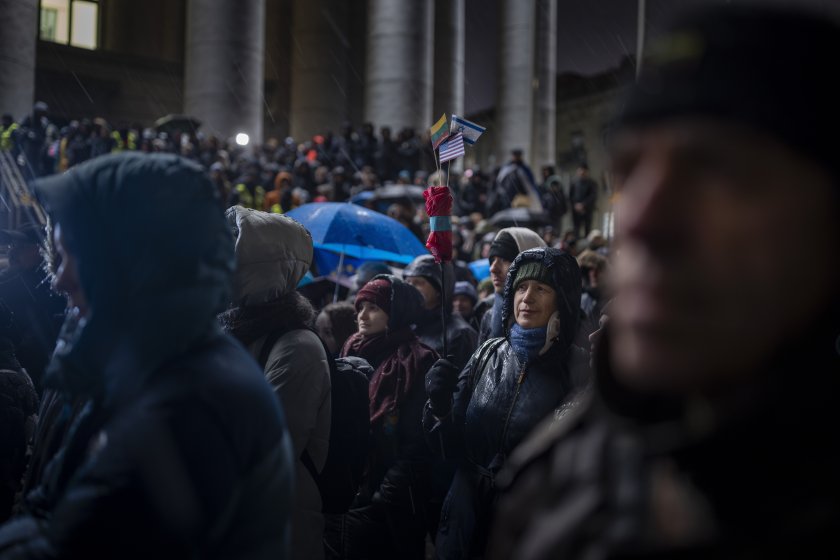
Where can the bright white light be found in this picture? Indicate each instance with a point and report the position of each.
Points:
(242, 139)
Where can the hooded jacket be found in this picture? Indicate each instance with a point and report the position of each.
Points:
(525, 239)
(461, 338)
(273, 253)
(499, 400)
(182, 449)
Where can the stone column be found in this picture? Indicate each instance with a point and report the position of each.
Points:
(514, 111)
(18, 38)
(399, 64)
(449, 58)
(223, 83)
(545, 101)
(356, 76)
(278, 68)
(320, 48)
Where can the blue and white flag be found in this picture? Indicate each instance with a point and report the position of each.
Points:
(470, 130)
(452, 148)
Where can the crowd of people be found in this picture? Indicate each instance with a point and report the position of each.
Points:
(278, 176)
(170, 391)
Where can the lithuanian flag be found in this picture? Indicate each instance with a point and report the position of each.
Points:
(440, 132)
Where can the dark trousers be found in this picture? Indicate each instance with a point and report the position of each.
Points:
(582, 220)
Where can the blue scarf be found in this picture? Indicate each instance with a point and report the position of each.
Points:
(497, 329)
(527, 343)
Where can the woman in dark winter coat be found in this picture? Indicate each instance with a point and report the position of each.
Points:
(509, 385)
(388, 520)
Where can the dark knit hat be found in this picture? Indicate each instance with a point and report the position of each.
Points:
(533, 270)
(765, 67)
(504, 246)
(464, 288)
(426, 267)
(377, 291)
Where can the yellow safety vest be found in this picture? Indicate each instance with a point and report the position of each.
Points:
(6, 136)
(119, 145)
(248, 200)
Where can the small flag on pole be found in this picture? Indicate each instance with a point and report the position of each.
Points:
(439, 132)
(470, 130)
(452, 148)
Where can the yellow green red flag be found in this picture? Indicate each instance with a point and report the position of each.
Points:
(440, 132)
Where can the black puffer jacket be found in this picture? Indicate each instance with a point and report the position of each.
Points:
(499, 401)
(182, 449)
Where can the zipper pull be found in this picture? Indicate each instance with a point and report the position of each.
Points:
(521, 377)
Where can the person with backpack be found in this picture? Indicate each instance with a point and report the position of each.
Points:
(388, 518)
(274, 322)
(509, 385)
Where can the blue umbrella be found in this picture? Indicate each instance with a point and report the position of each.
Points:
(362, 197)
(480, 269)
(355, 231)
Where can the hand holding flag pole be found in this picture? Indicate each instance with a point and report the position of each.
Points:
(450, 145)
(439, 203)
(439, 208)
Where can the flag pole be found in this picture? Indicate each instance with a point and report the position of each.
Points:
(443, 307)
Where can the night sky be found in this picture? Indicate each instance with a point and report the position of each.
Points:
(592, 36)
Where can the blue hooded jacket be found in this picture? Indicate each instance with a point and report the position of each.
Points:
(181, 450)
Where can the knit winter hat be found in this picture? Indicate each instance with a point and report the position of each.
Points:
(378, 292)
(533, 270)
(503, 246)
(464, 288)
(764, 67)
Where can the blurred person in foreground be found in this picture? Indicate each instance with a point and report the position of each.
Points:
(18, 414)
(711, 430)
(182, 449)
(36, 309)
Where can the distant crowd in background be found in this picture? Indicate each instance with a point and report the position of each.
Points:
(277, 176)
(170, 387)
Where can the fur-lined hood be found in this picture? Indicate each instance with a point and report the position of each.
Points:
(565, 271)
